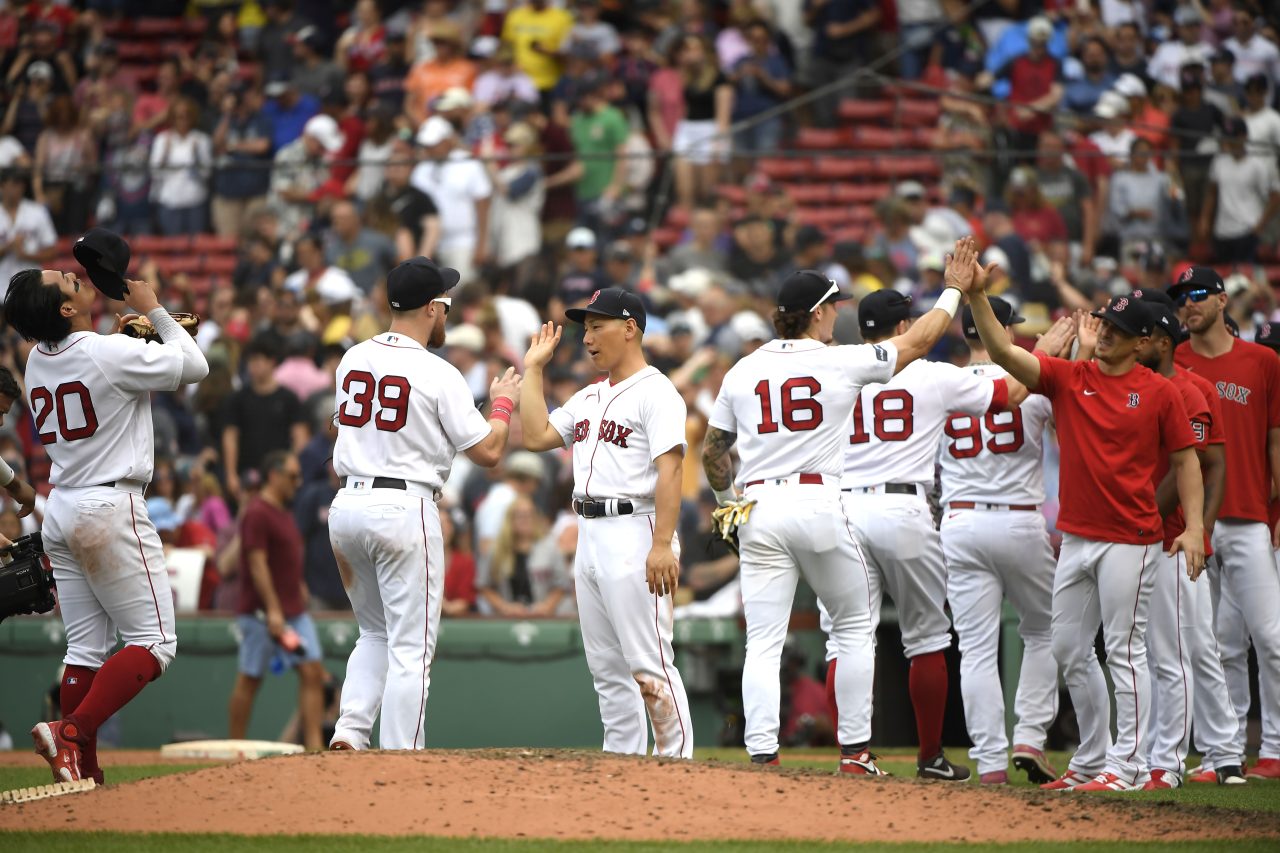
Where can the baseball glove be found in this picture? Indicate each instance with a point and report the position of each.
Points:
(140, 327)
(727, 519)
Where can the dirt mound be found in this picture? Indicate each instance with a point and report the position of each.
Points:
(24, 757)
(549, 794)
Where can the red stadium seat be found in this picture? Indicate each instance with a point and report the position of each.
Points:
(667, 237)
(918, 113)
(157, 27)
(825, 218)
(821, 139)
(872, 138)
(779, 169)
(843, 169)
(220, 265)
(809, 194)
(732, 193)
(855, 110)
(212, 243)
(903, 167)
(849, 234)
(677, 217)
(861, 193)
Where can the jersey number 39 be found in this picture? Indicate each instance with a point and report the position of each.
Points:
(393, 401)
(63, 400)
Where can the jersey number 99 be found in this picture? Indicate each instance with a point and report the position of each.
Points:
(44, 403)
(966, 434)
(393, 401)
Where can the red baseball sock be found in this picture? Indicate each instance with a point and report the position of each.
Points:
(928, 686)
(76, 681)
(121, 678)
(832, 708)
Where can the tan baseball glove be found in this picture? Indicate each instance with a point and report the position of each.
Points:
(140, 327)
(727, 519)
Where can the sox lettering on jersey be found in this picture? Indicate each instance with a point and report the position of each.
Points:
(1233, 392)
(612, 432)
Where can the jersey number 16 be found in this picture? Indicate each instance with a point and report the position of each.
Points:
(393, 401)
(799, 414)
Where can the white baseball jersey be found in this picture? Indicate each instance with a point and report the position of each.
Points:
(402, 412)
(997, 457)
(896, 425)
(789, 403)
(616, 431)
(89, 397)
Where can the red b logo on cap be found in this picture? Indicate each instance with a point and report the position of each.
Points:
(1186, 274)
(1120, 304)
(594, 297)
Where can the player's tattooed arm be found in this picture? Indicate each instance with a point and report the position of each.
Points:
(715, 458)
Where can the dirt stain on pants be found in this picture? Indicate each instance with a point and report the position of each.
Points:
(662, 710)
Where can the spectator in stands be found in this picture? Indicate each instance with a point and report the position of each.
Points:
(581, 65)
(151, 108)
(758, 260)
(457, 183)
(300, 169)
(1034, 219)
(701, 142)
(271, 613)
(1068, 191)
(504, 81)
(1081, 94)
(286, 329)
(66, 161)
(375, 150)
(298, 372)
(257, 266)
(702, 250)
(27, 235)
(1242, 199)
(460, 566)
(43, 47)
(363, 44)
(260, 417)
(387, 75)
(522, 474)
(1193, 124)
(431, 78)
(525, 574)
(842, 45)
(1254, 54)
(365, 254)
(12, 154)
(1127, 53)
(181, 164)
(288, 110)
(1034, 87)
(538, 32)
(581, 276)
(311, 510)
(893, 241)
(589, 29)
(920, 23)
(1002, 235)
(1150, 120)
(762, 81)
(519, 190)
(242, 144)
(1263, 121)
(1141, 203)
(32, 95)
(1189, 47)
(313, 270)
(1114, 137)
(810, 248)
(275, 39)
(1222, 90)
(313, 72)
(403, 211)
(102, 74)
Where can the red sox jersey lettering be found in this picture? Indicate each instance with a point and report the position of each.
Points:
(612, 432)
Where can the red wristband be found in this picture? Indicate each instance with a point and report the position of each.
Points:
(500, 415)
(505, 403)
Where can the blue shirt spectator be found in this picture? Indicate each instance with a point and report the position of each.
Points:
(288, 111)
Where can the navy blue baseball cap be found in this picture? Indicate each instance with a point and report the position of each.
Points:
(611, 302)
(805, 290)
(1165, 319)
(1197, 278)
(1129, 315)
(1004, 313)
(880, 311)
(415, 282)
(1268, 334)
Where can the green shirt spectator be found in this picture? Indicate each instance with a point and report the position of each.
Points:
(598, 130)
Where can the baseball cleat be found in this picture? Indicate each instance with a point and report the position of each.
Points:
(769, 760)
(1162, 779)
(941, 769)
(1106, 782)
(1068, 781)
(861, 764)
(341, 746)
(1203, 774)
(1034, 763)
(1265, 768)
(1231, 774)
(995, 777)
(54, 744)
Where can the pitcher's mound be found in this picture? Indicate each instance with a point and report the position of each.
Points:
(553, 794)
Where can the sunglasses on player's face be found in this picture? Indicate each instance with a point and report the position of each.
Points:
(1192, 296)
(446, 301)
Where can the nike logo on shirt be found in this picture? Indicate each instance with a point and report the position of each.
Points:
(1090, 393)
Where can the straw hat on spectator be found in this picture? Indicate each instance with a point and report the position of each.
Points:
(520, 136)
(445, 30)
(1111, 105)
(1039, 29)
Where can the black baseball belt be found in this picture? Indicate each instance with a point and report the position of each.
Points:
(604, 508)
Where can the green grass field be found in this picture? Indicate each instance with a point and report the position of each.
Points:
(1256, 796)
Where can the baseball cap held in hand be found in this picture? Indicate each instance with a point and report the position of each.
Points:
(105, 257)
(415, 282)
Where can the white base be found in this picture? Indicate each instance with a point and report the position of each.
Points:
(228, 750)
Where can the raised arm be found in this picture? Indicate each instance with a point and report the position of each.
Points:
(925, 332)
(488, 453)
(1022, 365)
(535, 422)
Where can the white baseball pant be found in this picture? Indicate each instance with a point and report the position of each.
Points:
(794, 531)
(109, 566)
(1171, 620)
(626, 634)
(1249, 606)
(993, 555)
(1215, 722)
(390, 553)
(1107, 583)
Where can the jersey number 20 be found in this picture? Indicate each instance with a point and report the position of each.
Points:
(799, 414)
(393, 401)
(44, 403)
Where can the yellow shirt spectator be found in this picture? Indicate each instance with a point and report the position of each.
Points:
(538, 23)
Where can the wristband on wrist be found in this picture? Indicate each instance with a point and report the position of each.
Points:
(949, 301)
(504, 403)
(726, 496)
(500, 415)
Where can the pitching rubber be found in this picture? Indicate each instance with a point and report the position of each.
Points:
(40, 792)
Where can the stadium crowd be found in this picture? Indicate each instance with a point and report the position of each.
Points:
(271, 160)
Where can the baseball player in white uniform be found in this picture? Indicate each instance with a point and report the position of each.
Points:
(402, 414)
(888, 469)
(90, 401)
(627, 436)
(790, 402)
(997, 547)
